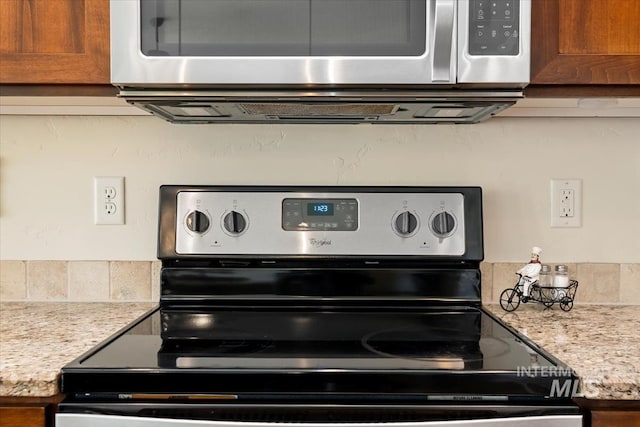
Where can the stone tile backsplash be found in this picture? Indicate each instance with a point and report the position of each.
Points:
(630, 283)
(89, 281)
(47, 280)
(79, 281)
(13, 280)
(130, 281)
(140, 281)
(599, 282)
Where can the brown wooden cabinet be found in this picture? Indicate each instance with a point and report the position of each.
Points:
(28, 411)
(54, 41)
(23, 415)
(604, 418)
(610, 413)
(588, 42)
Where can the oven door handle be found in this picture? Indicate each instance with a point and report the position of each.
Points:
(94, 420)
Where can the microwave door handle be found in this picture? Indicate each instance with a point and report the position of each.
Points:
(443, 20)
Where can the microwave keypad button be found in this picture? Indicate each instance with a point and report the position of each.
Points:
(493, 27)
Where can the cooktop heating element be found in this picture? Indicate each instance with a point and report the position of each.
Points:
(323, 305)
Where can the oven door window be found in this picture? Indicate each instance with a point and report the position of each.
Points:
(249, 28)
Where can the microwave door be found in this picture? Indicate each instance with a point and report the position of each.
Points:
(283, 42)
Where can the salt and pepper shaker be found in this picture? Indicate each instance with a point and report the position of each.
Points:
(545, 278)
(561, 276)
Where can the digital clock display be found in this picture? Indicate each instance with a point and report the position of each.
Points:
(320, 209)
(311, 214)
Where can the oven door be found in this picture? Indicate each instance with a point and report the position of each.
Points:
(69, 420)
(283, 42)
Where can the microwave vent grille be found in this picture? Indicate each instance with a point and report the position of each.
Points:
(324, 110)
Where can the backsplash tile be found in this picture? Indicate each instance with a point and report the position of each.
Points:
(598, 283)
(88, 280)
(140, 281)
(47, 280)
(13, 280)
(504, 276)
(130, 280)
(486, 271)
(630, 283)
(155, 280)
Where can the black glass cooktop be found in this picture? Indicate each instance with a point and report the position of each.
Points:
(228, 350)
(316, 340)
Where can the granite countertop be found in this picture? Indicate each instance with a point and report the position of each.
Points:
(37, 339)
(600, 342)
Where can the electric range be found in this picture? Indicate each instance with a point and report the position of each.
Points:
(318, 306)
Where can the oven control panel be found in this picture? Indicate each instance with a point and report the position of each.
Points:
(290, 223)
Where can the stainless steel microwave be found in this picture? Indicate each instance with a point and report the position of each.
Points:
(386, 61)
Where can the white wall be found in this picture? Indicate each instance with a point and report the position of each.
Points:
(47, 164)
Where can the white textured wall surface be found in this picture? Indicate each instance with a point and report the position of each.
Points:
(47, 165)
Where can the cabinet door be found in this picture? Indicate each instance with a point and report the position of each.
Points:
(615, 419)
(585, 42)
(54, 41)
(23, 416)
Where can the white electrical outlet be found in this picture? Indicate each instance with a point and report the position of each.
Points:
(108, 200)
(566, 202)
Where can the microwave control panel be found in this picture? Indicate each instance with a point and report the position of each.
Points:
(494, 27)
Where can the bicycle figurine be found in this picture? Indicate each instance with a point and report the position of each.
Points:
(510, 298)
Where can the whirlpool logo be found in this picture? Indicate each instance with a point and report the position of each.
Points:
(318, 243)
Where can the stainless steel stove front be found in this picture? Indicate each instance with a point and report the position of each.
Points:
(294, 254)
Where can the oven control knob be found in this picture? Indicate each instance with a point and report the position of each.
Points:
(234, 222)
(443, 224)
(198, 222)
(405, 224)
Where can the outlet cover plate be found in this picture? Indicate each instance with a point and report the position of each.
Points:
(566, 212)
(108, 200)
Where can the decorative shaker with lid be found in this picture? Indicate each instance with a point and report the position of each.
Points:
(561, 276)
(545, 278)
